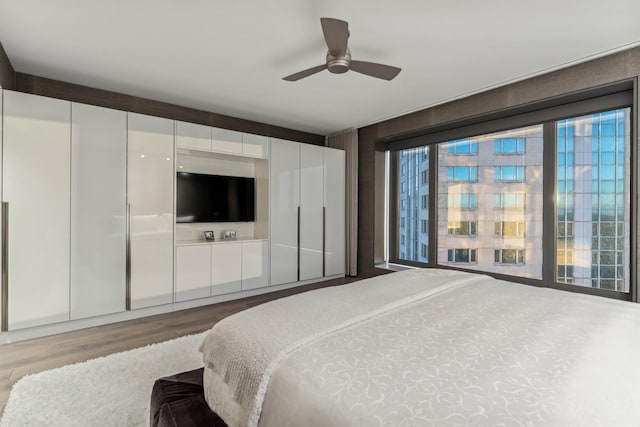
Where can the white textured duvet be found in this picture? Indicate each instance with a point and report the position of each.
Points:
(428, 347)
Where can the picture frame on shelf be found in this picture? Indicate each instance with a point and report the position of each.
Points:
(209, 236)
(229, 235)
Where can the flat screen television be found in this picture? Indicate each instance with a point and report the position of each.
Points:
(215, 198)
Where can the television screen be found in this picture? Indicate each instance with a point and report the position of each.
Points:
(215, 198)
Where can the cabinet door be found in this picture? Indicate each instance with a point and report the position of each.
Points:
(193, 136)
(226, 141)
(226, 268)
(334, 205)
(255, 265)
(285, 201)
(36, 184)
(193, 272)
(255, 145)
(150, 180)
(98, 210)
(311, 204)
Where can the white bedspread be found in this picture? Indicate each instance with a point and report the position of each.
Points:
(477, 352)
(242, 351)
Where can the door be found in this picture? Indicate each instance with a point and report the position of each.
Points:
(311, 204)
(334, 214)
(284, 210)
(226, 268)
(193, 272)
(255, 266)
(150, 181)
(36, 185)
(98, 210)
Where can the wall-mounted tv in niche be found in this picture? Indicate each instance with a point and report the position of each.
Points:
(214, 198)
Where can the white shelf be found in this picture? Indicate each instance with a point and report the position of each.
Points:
(216, 242)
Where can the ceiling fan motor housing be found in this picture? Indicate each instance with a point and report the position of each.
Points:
(339, 64)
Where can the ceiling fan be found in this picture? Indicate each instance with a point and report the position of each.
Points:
(336, 34)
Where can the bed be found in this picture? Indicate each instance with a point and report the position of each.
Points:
(427, 347)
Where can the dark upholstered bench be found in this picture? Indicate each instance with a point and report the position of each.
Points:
(178, 401)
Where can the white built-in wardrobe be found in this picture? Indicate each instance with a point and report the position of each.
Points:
(88, 216)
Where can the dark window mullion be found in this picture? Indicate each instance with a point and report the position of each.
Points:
(433, 206)
(549, 211)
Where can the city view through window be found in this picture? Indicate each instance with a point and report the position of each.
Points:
(490, 201)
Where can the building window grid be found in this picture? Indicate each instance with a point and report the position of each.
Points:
(462, 255)
(509, 256)
(463, 201)
(462, 228)
(505, 228)
(463, 147)
(509, 173)
(462, 173)
(603, 272)
(509, 201)
(415, 168)
(509, 145)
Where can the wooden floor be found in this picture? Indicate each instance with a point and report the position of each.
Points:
(28, 357)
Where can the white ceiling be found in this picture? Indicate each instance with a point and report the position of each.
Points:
(229, 57)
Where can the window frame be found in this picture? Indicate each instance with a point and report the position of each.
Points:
(617, 95)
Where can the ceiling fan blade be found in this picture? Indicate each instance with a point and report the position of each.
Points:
(381, 71)
(336, 34)
(305, 73)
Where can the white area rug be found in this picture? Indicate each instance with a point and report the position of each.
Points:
(114, 390)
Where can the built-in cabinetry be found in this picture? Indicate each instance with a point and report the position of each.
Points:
(209, 269)
(98, 210)
(89, 229)
(285, 211)
(150, 184)
(307, 212)
(205, 138)
(311, 211)
(36, 185)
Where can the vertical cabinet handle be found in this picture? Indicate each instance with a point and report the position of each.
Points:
(128, 258)
(324, 240)
(4, 324)
(298, 243)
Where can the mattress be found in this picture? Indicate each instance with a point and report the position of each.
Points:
(428, 347)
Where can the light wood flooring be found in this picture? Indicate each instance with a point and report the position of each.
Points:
(37, 355)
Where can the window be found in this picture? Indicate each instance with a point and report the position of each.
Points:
(463, 201)
(403, 187)
(413, 215)
(488, 187)
(462, 173)
(462, 228)
(509, 201)
(509, 229)
(509, 173)
(462, 255)
(463, 146)
(565, 230)
(509, 256)
(509, 146)
(423, 250)
(593, 224)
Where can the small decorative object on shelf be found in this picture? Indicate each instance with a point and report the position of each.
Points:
(229, 235)
(208, 235)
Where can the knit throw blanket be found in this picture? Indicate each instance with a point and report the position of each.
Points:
(242, 351)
